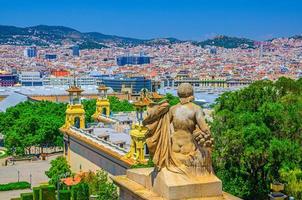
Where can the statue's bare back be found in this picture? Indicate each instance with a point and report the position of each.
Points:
(188, 137)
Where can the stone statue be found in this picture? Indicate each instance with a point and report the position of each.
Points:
(178, 138)
(180, 143)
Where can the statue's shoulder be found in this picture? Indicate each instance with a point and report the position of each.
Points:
(195, 106)
(173, 108)
(156, 111)
(192, 106)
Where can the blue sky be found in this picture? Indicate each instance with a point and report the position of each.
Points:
(183, 19)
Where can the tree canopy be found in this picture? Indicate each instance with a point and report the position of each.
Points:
(37, 123)
(258, 133)
(99, 185)
(59, 168)
(173, 100)
(32, 124)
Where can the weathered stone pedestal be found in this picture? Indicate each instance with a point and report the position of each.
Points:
(145, 184)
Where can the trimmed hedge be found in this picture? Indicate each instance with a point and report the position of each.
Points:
(17, 198)
(47, 192)
(26, 196)
(65, 194)
(74, 192)
(14, 186)
(36, 193)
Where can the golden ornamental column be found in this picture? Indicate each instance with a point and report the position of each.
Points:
(102, 103)
(75, 113)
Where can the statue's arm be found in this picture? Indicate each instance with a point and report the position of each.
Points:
(202, 132)
(201, 122)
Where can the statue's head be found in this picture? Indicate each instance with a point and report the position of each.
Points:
(185, 93)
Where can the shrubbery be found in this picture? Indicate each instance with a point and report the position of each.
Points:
(91, 183)
(59, 167)
(14, 186)
(26, 196)
(47, 192)
(65, 194)
(293, 178)
(81, 191)
(36, 193)
(99, 185)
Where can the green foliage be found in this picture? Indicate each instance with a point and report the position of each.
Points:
(89, 106)
(14, 186)
(18, 198)
(27, 196)
(100, 185)
(59, 167)
(173, 100)
(65, 194)
(74, 192)
(228, 42)
(3, 153)
(107, 191)
(46, 35)
(117, 105)
(91, 45)
(32, 124)
(36, 193)
(47, 192)
(37, 123)
(258, 132)
(82, 191)
(147, 165)
(293, 180)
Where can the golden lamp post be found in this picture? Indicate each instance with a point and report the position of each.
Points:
(137, 133)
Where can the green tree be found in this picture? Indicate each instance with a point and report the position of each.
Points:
(32, 124)
(173, 100)
(107, 191)
(257, 132)
(59, 168)
(293, 180)
(89, 106)
(117, 105)
(100, 185)
(82, 191)
(37, 123)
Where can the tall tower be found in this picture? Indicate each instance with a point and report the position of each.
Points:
(75, 113)
(102, 103)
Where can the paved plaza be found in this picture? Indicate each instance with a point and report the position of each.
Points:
(10, 174)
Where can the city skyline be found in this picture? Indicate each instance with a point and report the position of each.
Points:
(194, 20)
